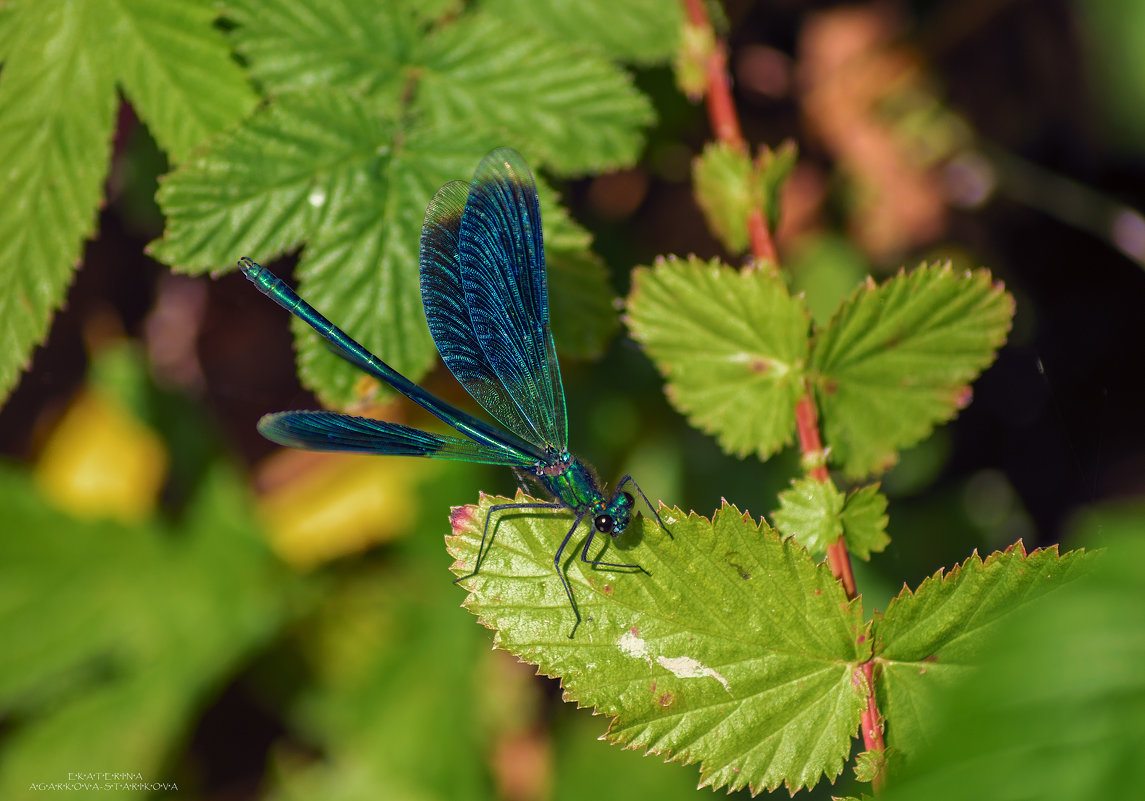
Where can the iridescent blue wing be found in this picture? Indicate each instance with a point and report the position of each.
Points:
(489, 440)
(501, 256)
(448, 316)
(330, 431)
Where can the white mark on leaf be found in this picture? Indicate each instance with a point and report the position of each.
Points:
(687, 668)
(633, 646)
(684, 667)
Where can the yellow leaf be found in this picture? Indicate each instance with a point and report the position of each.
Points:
(338, 504)
(101, 462)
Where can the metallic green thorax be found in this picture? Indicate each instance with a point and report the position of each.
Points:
(567, 478)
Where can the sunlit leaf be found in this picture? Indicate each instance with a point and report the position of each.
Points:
(809, 512)
(734, 649)
(929, 639)
(864, 520)
(58, 96)
(898, 358)
(733, 346)
(1054, 708)
(723, 176)
(576, 110)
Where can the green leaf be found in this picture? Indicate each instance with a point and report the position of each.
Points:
(898, 359)
(809, 513)
(361, 265)
(734, 650)
(929, 639)
(772, 168)
(816, 514)
(115, 636)
(308, 44)
(644, 31)
(1055, 707)
(730, 186)
(58, 98)
(348, 168)
(577, 111)
(57, 103)
(733, 346)
(177, 71)
(725, 191)
(261, 189)
(864, 520)
(327, 169)
(323, 167)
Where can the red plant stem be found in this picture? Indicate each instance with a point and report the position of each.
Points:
(815, 460)
(872, 724)
(725, 124)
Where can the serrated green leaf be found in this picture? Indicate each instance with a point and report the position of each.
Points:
(644, 31)
(261, 189)
(732, 345)
(928, 639)
(362, 266)
(57, 106)
(306, 44)
(734, 650)
(325, 168)
(868, 765)
(57, 103)
(105, 664)
(809, 513)
(816, 514)
(725, 190)
(898, 359)
(1055, 707)
(864, 519)
(577, 111)
(177, 71)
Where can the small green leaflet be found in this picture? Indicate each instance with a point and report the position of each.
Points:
(723, 178)
(865, 521)
(737, 652)
(732, 345)
(898, 358)
(729, 186)
(895, 359)
(816, 514)
(810, 513)
(928, 639)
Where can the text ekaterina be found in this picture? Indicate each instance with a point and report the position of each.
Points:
(485, 293)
